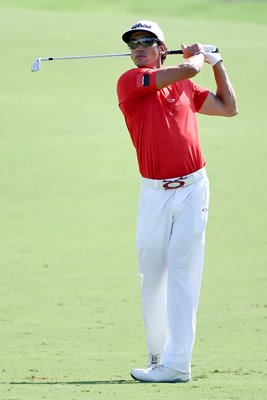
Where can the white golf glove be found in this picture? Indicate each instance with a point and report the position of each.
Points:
(209, 48)
(211, 58)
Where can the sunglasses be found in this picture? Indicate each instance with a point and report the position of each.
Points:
(145, 42)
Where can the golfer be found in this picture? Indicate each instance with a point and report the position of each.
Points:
(159, 105)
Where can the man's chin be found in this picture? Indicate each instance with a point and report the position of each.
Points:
(141, 62)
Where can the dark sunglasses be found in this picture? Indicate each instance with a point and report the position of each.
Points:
(145, 42)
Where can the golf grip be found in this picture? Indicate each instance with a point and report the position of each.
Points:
(170, 52)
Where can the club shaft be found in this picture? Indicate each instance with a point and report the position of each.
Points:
(89, 56)
(36, 66)
(169, 52)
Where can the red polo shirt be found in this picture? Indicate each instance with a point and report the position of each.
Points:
(162, 123)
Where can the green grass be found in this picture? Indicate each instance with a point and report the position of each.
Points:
(215, 9)
(70, 321)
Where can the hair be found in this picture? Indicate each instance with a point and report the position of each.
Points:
(163, 55)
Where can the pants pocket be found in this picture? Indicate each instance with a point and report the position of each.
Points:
(201, 208)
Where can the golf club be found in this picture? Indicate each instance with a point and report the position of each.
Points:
(36, 66)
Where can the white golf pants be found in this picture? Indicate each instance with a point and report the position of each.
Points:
(170, 241)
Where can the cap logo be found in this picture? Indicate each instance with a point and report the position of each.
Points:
(140, 25)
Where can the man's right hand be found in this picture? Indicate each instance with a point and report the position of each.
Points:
(192, 50)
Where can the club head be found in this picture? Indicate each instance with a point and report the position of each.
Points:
(36, 66)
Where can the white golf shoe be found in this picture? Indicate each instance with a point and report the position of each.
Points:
(160, 373)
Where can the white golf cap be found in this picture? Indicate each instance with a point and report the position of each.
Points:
(147, 26)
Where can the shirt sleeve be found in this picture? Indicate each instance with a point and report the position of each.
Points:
(200, 95)
(136, 82)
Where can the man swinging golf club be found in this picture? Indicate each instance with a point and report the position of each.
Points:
(159, 105)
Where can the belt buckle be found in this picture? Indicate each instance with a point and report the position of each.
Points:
(174, 184)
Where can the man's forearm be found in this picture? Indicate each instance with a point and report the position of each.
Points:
(186, 70)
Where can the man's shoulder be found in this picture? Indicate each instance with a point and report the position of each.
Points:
(126, 74)
(132, 72)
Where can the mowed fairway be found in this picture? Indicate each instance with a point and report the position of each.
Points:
(70, 314)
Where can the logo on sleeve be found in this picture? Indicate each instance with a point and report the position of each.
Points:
(146, 80)
(142, 80)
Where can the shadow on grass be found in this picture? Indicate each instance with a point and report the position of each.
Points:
(107, 382)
